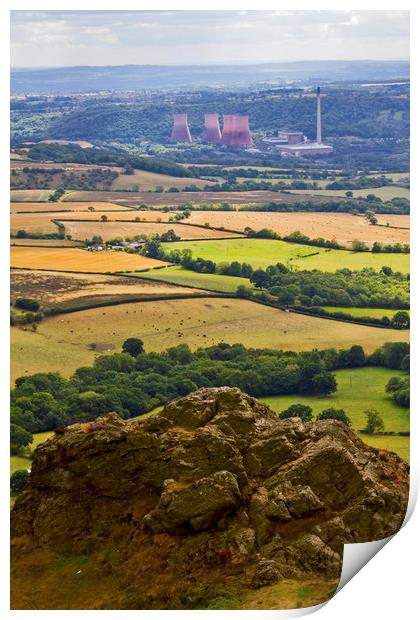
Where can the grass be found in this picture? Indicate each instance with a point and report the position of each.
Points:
(360, 389)
(64, 343)
(371, 312)
(388, 192)
(261, 253)
(208, 281)
(75, 259)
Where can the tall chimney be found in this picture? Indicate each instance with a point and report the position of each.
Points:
(318, 116)
(180, 129)
(211, 128)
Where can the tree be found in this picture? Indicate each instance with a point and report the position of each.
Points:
(386, 270)
(334, 414)
(104, 218)
(304, 412)
(374, 422)
(18, 481)
(401, 320)
(359, 246)
(152, 248)
(19, 438)
(324, 383)
(133, 346)
(260, 278)
(356, 356)
(25, 303)
(405, 363)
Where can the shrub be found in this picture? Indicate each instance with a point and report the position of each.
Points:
(25, 303)
(304, 412)
(374, 422)
(334, 414)
(18, 481)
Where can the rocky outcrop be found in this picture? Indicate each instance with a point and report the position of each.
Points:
(214, 481)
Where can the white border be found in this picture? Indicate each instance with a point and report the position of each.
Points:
(387, 586)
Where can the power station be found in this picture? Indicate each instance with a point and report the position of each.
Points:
(236, 132)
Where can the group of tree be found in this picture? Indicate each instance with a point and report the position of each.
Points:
(400, 206)
(133, 382)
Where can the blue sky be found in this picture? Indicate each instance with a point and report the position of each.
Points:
(64, 38)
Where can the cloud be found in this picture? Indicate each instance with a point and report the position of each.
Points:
(164, 37)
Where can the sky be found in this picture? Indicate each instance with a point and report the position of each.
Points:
(69, 38)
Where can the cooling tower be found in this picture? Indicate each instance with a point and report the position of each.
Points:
(211, 128)
(242, 136)
(180, 129)
(236, 131)
(227, 129)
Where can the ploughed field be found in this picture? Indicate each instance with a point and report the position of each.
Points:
(341, 226)
(165, 198)
(64, 343)
(261, 253)
(75, 259)
(68, 290)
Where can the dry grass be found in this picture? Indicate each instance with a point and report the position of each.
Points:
(65, 343)
(45, 243)
(33, 222)
(341, 226)
(74, 259)
(110, 230)
(30, 195)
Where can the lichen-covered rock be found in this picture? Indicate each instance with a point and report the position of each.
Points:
(214, 482)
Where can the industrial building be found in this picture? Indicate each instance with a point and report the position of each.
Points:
(298, 145)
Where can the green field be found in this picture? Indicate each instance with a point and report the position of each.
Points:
(376, 313)
(261, 253)
(358, 389)
(185, 277)
(387, 192)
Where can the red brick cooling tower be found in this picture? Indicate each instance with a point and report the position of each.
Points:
(211, 128)
(180, 129)
(236, 131)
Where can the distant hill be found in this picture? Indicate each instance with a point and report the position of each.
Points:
(137, 77)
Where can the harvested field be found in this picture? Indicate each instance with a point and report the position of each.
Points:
(30, 195)
(110, 230)
(148, 181)
(265, 252)
(341, 226)
(45, 243)
(33, 222)
(75, 259)
(156, 198)
(68, 342)
(388, 192)
(60, 290)
(29, 207)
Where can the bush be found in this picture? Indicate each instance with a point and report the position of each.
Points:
(334, 414)
(304, 412)
(25, 303)
(374, 422)
(18, 481)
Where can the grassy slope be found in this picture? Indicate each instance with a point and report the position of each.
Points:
(63, 343)
(263, 252)
(209, 281)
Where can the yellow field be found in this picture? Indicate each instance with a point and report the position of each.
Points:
(75, 259)
(342, 226)
(63, 343)
(33, 222)
(142, 180)
(46, 243)
(110, 230)
(29, 207)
